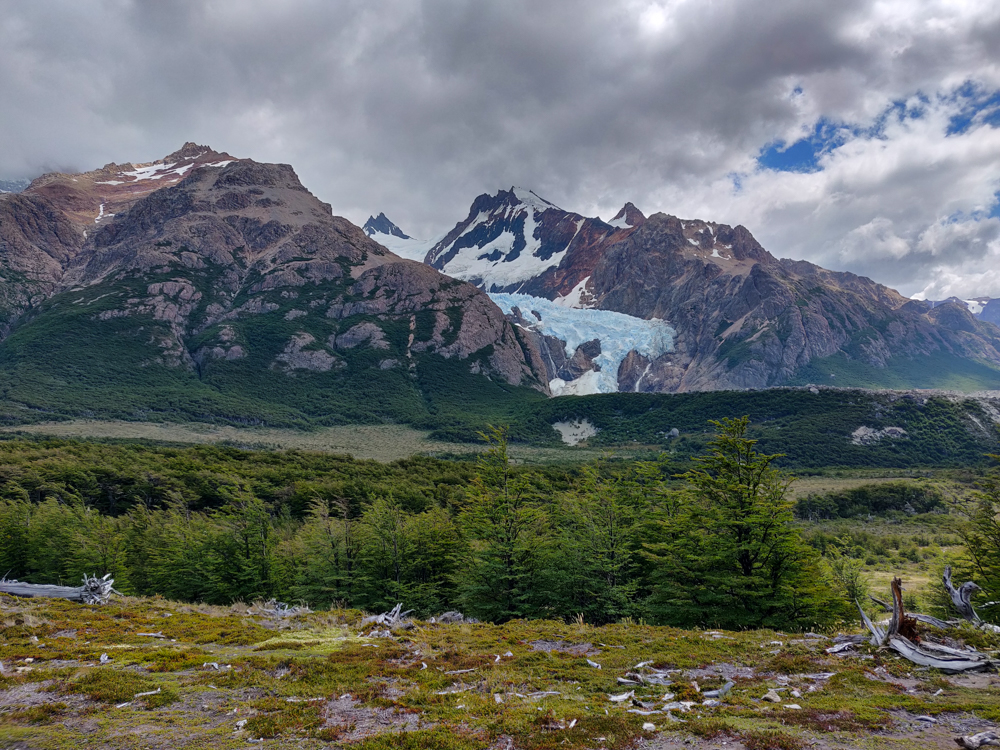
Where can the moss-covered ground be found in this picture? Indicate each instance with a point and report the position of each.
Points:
(227, 678)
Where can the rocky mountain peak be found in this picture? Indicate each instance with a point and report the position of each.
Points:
(193, 152)
(382, 225)
(90, 199)
(627, 216)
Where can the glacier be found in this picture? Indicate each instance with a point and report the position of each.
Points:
(618, 333)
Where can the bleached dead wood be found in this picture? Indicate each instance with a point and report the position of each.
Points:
(94, 590)
(976, 741)
(961, 597)
(925, 657)
(394, 618)
(927, 653)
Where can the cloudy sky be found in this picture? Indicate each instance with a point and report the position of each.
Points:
(862, 135)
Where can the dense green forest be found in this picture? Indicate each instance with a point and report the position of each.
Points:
(714, 541)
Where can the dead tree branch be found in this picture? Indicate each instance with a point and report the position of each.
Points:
(93, 591)
(962, 596)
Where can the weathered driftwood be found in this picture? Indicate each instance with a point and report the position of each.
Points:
(900, 636)
(976, 741)
(93, 591)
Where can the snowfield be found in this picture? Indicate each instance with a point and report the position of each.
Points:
(618, 333)
(411, 248)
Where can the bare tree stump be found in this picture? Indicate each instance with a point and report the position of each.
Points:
(962, 596)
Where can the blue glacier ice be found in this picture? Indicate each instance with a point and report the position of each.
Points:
(618, 333)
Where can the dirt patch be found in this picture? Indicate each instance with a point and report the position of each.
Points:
(356, 722)
(564, 647)
(24, 696)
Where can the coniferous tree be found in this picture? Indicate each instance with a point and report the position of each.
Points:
(505, 527)
(981, 536)
(732, 556)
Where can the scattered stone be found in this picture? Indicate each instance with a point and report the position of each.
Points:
(772, 697)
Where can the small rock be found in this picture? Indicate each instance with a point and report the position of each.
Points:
(796, 694)
(721, 692)
(928, 719)
(772, 696)
(649, 727)
(793, 706)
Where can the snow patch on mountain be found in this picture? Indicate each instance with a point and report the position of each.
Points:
(618, 333)
(491, 265)
(577, 297)
(532, 199)
(501, 246)
(409, 248)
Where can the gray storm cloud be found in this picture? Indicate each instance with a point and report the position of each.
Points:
(413, 108)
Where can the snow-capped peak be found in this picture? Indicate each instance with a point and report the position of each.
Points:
(532, 199)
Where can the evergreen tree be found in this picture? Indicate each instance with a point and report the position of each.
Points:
(593, 569)
(982, 541)
(321, 559)
(732, 557)
(505, 527)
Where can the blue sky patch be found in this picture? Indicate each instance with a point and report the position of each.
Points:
(978, 106)
(804, 154)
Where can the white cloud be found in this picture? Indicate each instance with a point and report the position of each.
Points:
(414, 108)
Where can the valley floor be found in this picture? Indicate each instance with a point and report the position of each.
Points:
(378, 442)
(192, 676)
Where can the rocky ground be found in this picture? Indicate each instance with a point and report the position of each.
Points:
(156, 674)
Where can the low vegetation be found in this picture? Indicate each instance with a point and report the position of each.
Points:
(229, 675)
(571, 566)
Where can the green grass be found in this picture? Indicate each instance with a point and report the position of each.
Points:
(934, 371)
(377, 694)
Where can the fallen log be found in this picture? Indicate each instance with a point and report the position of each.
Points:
(976, 741)
(394, 618)
(93, 591)
(924, 656)
(902, 628)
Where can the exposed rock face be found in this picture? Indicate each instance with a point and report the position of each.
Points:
(743, 318)
(36, 242)
(516, 241)
(382, 225)
(215, 262)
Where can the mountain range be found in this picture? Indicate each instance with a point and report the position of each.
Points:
(740, 317)
(211, 287)
(203, 286)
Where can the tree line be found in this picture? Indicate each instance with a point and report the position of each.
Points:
(715, 545)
